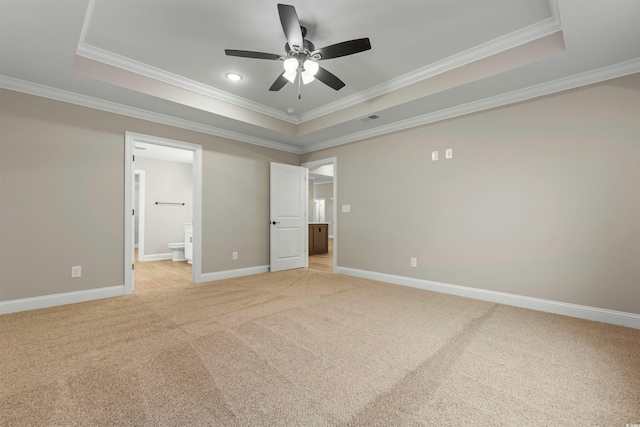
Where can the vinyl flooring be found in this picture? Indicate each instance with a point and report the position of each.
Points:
(322, 261)
(160, 274)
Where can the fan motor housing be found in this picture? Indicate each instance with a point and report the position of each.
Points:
(307, 48)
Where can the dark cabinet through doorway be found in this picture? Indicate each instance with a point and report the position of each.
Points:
(318, 239)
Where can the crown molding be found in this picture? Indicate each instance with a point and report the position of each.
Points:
(493, 47)
(113, 107)
(567, 83)
(101, 55)
(560, 85)
(97, 54)
(501, 44)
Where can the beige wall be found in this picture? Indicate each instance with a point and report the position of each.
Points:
(62, 196)
(541, 199)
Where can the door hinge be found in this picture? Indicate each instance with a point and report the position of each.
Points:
(133, 266)
(133, 212)
(134, 158)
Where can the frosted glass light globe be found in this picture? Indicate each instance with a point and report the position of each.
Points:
(311, 67)
(291, 65)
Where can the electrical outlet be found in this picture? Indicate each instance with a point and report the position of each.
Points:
(434, 156)
(449, 153)
(234, 255)
(414, 262)
(76, 271)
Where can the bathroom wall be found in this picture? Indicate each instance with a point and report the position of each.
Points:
(165, 181)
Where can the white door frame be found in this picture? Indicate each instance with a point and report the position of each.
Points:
(330, 161)
(129, 181)
(142, 181)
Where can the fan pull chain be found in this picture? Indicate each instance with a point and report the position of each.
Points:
(299, 85)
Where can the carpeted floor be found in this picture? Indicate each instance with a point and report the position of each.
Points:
(311, 348)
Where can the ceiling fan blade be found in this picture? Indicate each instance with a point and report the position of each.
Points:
(279, 83)
(329, 79)
(249, 54)
(290, 25)
(343, 49)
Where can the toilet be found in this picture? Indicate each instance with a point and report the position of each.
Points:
(178, 251)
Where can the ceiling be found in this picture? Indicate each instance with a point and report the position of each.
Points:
(164, 60)
(162, 152)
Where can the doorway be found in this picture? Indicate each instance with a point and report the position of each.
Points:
(322, 204)
(133, 140)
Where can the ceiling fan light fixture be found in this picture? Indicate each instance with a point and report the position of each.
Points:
(311, 67)
(301, 54)
(291, 65)
(290, 75)
(306, 77)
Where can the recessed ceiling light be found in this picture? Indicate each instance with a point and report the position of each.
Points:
(234, 77)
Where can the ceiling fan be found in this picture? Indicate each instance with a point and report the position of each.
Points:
(302, 56)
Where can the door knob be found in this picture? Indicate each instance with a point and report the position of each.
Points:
(275, 222)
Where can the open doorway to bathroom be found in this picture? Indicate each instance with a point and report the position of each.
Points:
(161, 227)
(322, 214)
(165, 197)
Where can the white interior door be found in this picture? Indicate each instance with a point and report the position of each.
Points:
(288, 221)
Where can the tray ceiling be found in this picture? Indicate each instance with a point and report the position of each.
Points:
(165, 60)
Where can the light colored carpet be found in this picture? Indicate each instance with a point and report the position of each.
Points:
(310, 348)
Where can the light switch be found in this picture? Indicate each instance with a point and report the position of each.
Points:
(434, 156)
(449, 153)
(346, 208)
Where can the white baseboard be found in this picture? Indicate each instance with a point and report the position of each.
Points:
(620, 318)
(44, 301)
(155, 257)
(229, 274)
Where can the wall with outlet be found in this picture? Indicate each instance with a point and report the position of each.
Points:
(538, 199)
(62, 192)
